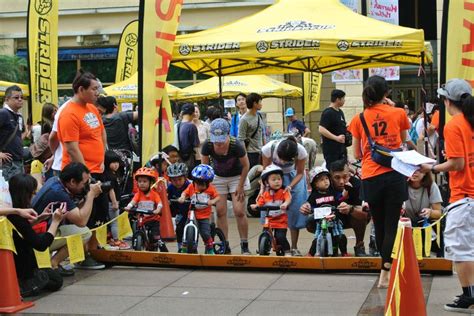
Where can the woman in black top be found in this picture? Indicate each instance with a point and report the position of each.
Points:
(31, 280)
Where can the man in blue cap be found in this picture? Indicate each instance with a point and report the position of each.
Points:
(296, 126)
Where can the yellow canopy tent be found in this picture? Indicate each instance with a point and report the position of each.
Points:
(127, 90)
(5, 84)
(299, 35)
(232, 85)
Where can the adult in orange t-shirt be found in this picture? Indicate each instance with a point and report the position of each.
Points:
(383, 188)
(459, 143)
(82, 136)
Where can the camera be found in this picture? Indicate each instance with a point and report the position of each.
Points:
(348, 141)
(105, 186)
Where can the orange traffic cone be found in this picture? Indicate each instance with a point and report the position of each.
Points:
(10, 299)
(405, 292)
(166, 224)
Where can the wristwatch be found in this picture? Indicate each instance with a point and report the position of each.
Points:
(433, 169)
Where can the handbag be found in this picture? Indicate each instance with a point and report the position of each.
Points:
(380, 154)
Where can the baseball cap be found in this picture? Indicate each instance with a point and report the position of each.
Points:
(289, 112)
(187, 108)
(220, 129)
(454, 89)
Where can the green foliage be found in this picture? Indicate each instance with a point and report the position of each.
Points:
(13, 69)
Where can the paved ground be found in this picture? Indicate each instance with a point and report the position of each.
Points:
(147, 291)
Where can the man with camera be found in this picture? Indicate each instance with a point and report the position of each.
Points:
(333, 129)
(73, 189)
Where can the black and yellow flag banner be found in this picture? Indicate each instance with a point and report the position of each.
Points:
(457, 52)
(158, 26)
(127, 57)
(312, 91)
(42, 33)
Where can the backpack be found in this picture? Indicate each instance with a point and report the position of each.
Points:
(413, 133)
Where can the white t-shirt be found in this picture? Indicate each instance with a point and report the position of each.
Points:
(58, 154)
(287, 168)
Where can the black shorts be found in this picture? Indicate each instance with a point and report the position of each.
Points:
(391, 187)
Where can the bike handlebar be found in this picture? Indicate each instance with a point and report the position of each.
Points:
(268, 208)
(188, 202)
(141, 211)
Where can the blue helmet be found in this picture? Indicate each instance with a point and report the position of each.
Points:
(203, 173)
(289, 112)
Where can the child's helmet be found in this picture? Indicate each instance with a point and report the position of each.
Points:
(177, 170)
(271, 169)
(316, 172)
(203, 173)
(146, 172)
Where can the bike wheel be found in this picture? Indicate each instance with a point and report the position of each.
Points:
(219, 242)
(190, 242)
(324, 247)
(264, 244)
(138, 241)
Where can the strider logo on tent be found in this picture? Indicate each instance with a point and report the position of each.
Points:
(185, 49)
(343, 45)
(377, 43)
(235, 83)
(263, 47)
(292, 26)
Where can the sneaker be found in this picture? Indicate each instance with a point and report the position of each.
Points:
(462, 305)
(64, 272)
(346, 255)
(210, 251)
(359, 251)
(122, 245)
(33, 286)
(245, 248)
(90, 264)
(227, 248)
(288, 254)
(296, 253)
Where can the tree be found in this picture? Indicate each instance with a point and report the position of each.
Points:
(13, 69)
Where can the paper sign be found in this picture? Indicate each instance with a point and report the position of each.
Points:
(321, 212)
(428, 231)
(406, 169)
(389, 73)
(101, 234)
(347, 75)
(43, 258)
(418, 243)
(229, 103)
(412, 157)
(6, 240)
(123, 225)
(396, 244)
(127, 107)
(75, 248)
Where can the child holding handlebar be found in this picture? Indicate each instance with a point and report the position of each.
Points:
(201, 191)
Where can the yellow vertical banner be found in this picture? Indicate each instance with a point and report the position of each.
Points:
(123, 226)
(417, 240)
(158, 26)
(312, 91)
(428, 232)
(42, 54)
(396, 244)
(6, 231)
(101, 234)
(127, 56)
(43, 258)
(75, 248)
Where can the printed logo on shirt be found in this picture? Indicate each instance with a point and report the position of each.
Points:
(91, 120)
(325, 199)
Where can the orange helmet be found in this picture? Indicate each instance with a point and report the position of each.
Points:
(146, 172)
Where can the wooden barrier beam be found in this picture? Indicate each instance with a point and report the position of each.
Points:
(267, 263)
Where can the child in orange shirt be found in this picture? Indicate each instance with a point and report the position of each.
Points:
(272, 193)
(202, 191)
(149, 200)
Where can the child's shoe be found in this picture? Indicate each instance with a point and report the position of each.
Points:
(288, 253)
(162, 246)
(210, 251)
(122, 245)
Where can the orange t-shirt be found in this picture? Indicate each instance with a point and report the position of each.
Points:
(459, 142)
(148, 202)
(276, 199)
(201, 212)
(385, 124)
(435, 120)
(83, 124)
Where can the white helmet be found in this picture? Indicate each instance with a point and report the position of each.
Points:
(316, 171)
(271, 169)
